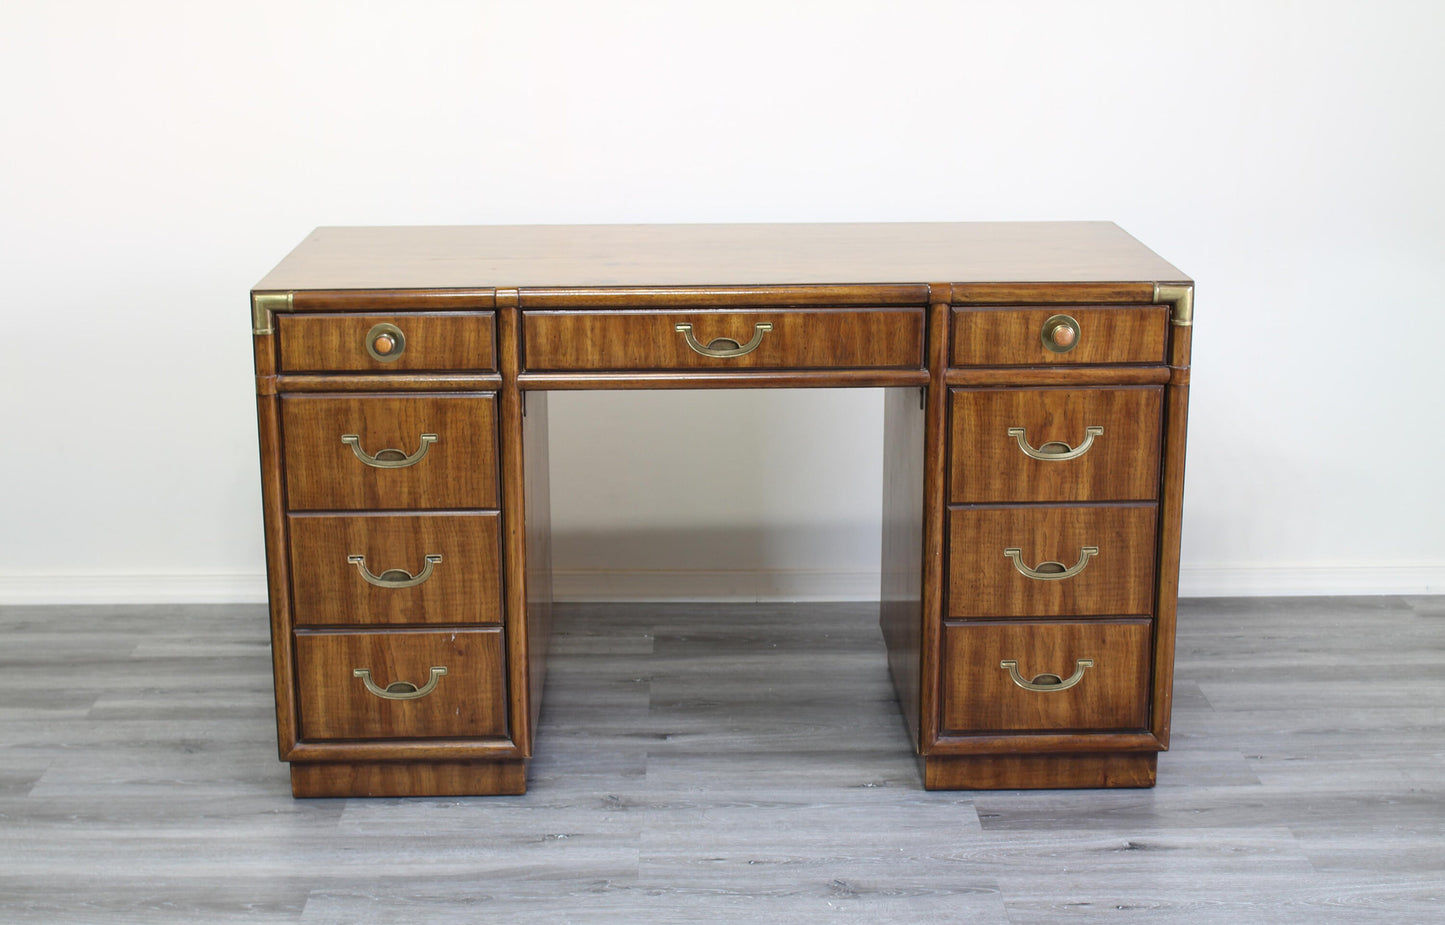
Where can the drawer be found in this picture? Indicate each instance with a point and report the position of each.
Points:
(344, 452)
(765, 339)
(1026, 561)
(386, 342)
(1080, 676)
(405, 684)
(396, 568)
(1055, 444)
(1015, 336)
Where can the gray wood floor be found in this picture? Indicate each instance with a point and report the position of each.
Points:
(729, 764)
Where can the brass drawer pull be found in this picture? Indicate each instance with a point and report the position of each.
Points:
(396, 578)
(1050, 571)
(389, 459)
(725, 347)
(399, 690)
(1060, 333)
(385, 342)
(1046, 683)
(1056, 451)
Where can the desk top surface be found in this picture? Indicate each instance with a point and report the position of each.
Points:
(584, 256)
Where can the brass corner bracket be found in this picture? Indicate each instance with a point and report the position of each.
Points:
(264, 306)
(1181, 297)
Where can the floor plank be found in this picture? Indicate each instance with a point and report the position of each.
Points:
(726, 763)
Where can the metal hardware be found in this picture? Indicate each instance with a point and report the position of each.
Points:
(400, 690)
(396, 578)
(725, 347)
(388, 459)
(264, 306)
(1181, 298)
(1055, 451)
(390, 337)
(1047, 683)
(1050, 571)
(1060, 343)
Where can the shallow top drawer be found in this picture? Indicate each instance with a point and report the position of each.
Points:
(413, 341)
(1036, 335)
(716, 339)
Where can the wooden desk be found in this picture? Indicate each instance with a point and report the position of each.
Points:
(1037, 381)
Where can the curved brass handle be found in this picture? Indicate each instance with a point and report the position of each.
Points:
(399, 690)
(389, 459)
(1047, 682)
(719, 347)
(1056, 452)
(1051, 571)
(394, 577)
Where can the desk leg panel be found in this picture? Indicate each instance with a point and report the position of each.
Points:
(278, 576)
(526, 637)
(900, 612)
(935, 500)
(538, 542)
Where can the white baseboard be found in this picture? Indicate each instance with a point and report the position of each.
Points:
(606, 585)
(1308, 580)
(132, 588)
(684, 585)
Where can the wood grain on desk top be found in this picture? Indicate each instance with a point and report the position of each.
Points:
(574, 256)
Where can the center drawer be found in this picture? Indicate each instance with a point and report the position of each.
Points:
(384, 452)
(401, 684)
(396, 568)
(716, 339)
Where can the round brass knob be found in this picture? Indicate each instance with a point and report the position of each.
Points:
(385, 342)
(1060, 333)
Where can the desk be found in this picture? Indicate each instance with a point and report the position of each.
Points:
(1037, 381)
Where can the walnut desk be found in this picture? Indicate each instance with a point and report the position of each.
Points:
(1037, 382)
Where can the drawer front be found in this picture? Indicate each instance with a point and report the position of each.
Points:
(1015, 336)
(1080, 561)
(386, 342)
(348, 452)
(396, 568)
(1055, 444)
(1081, 676)
(767, 339)
(452, 682)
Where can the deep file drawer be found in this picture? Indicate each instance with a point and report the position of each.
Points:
(1034, 676)
(384, 452)
(1060, 560)
(1055, 444)
(401, 684)
(396, 568)
(761, 339)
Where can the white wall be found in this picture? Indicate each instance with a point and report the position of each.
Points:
(158, 158)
